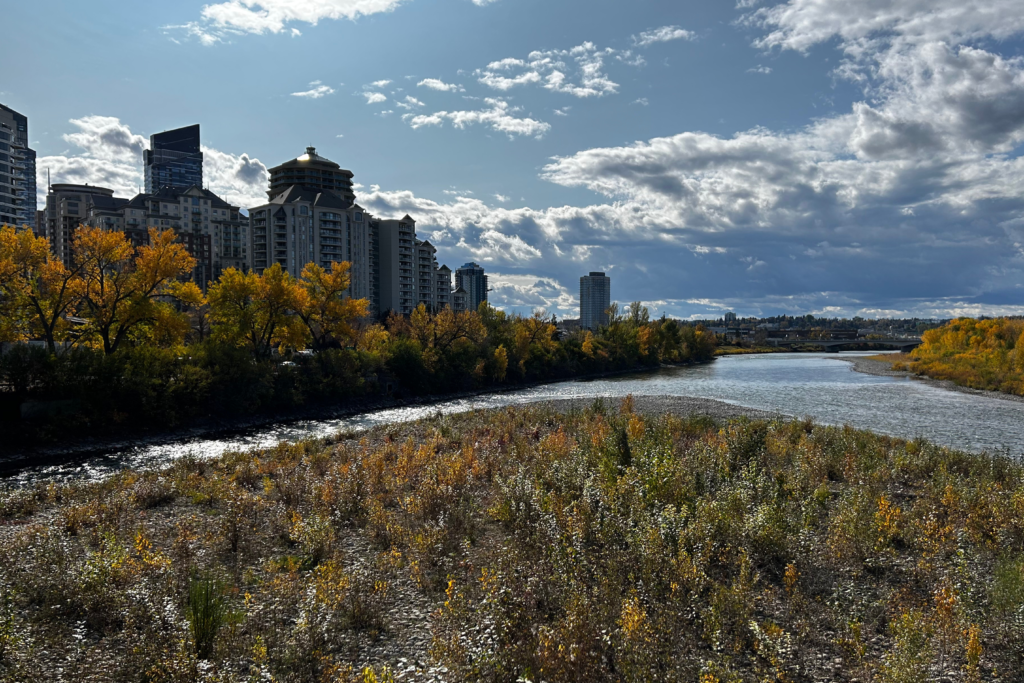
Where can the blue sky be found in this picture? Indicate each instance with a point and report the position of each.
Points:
(807, 156)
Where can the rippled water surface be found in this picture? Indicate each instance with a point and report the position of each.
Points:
(821, 386)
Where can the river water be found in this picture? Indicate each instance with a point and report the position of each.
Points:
(821, 386)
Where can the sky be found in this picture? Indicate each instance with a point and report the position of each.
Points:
(821, 157)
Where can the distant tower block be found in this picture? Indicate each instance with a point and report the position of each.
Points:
(595, 298)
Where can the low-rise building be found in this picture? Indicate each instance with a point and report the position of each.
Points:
(67, 207)
(213, 231)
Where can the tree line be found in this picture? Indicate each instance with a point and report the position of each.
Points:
(127, 338)
(982, 354)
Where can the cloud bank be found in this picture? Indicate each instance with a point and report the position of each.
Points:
(109, 155)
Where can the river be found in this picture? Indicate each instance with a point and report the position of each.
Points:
(821, 386)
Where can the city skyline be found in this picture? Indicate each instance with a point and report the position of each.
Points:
(761, 157)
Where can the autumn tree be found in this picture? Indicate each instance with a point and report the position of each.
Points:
(122, 285)
(323, 307)
(534, 336)
(445, 329)
(37, 292)
(256, 310)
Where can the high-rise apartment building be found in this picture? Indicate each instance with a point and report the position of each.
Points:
(595, 298)
(443, 288)
(17, 170)
(174, 159)
(473, 281)
(312, 217)
(303, 225)
(69, 206)
(397, 267)
(312, 171)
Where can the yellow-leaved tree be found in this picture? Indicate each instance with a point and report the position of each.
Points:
(323, 307)
(257, 311)
(533, 335)
(122, 285)
(37, 292)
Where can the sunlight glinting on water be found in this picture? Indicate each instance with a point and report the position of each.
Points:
(820, 386)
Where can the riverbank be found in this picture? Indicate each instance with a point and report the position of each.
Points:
(600, 544)
(15, 457)
(881, 366)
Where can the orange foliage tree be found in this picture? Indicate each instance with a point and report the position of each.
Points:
(254, 310)
(323, 307)
(984, 354)
(122, 285)
(37, 292)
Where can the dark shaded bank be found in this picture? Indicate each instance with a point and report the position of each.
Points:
(16, 455)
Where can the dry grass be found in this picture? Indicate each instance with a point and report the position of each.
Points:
(524, 544)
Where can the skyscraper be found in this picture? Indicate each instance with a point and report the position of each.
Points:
(595, 298)
(174, 159)
(17, 170)
(471, 278)
(314, 172)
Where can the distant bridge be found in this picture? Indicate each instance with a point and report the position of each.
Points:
(904, 344)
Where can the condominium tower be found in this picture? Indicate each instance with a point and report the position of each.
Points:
(312, 171)
(17, 171)
(595, 298)
(397, 269)
(174, 159)
(304, 225)
(473, 281)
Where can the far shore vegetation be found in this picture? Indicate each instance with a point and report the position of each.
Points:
(527, 544)
(125, 342)
(981, 354)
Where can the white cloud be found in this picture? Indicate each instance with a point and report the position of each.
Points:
(643, 102)
(663, 35)
(500, 117)
(409, 103)
(374, 97)
(435, 84)
(800, 24)
(501, 198)
(564, 111)
(759, 69)
(506, 64)
(237, 179)
(499, 82)
(548, 68)
(109, 155)
(219, 20)
(316, 91)
(379, 84)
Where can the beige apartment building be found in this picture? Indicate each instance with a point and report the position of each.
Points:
(215, 232)
(68, 206)
(303, 225)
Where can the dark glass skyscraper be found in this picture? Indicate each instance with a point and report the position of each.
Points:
(174, 159)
